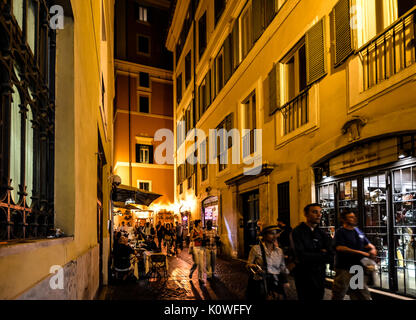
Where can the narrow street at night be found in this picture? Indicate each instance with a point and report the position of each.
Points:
(189, 152)
(229, 284)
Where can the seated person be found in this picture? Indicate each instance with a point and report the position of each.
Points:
(150, 244)
(122, 252)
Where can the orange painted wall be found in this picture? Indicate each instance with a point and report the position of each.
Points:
(142, 125)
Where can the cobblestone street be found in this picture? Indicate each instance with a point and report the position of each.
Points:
(230, 284)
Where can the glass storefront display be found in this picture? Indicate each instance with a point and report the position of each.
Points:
(377, 181)
(404, 211)
(385, 204)
(210, 211)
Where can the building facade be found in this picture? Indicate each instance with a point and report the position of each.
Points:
(55, 123)
(330, 85)
(143, 102)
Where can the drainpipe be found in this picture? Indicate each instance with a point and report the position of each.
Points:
(130, 178)
(195, 93)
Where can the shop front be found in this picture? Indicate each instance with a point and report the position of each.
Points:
(210, 211)
(376, 180)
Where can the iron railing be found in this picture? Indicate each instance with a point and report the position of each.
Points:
(389, 52)
(248, 143)
(296, 112)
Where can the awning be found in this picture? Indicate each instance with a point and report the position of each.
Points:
(123, 193)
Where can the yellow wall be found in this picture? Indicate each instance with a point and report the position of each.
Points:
(77, 124)
(389, 107)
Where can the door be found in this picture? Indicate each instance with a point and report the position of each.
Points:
(283, 202)
(404, 225)
(375, 223)
(250, 217)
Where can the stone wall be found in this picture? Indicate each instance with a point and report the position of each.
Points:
(81, 281)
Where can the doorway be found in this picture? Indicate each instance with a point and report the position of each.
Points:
(251, 215)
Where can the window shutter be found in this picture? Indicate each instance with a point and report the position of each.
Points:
(137, 153)
(150, 154)
(274, 89)
(228, 127)
(270, 11)
(207, 90)
(228, 59)
(258, 18)
(315, 52)
(235, 45)
(343, 44)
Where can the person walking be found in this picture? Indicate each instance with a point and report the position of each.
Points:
(179, 237)
(169, 237)
(198, 250)
(351, 247)
(312, 248)
(268, 272)
(160, 234)
(210, 237)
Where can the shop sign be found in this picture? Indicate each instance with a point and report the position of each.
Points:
(363, 157)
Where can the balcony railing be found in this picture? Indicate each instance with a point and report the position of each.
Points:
(296, 112)
(389, 52)
(248, 143)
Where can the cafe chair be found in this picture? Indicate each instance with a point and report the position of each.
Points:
(158, 267)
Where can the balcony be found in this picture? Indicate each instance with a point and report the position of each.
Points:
(295, 112)
(389, 52)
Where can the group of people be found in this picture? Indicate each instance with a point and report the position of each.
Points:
(203, 248)
(170, 236)
(310, 250)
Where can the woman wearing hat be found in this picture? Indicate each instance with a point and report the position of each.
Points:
(268, 272)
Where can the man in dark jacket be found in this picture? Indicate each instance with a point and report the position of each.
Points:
(313, 250)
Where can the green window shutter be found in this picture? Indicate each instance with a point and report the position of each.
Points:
(228, 58)
(315, 52)
(274, 89)
(257, 12)
(343, 44)
(235, 45)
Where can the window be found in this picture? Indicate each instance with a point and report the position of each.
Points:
(204, 94)
(246, 35)
(219, 6)
(143, 44)
(27, 157)
(144, 105)
(294, 68)
(384, 45)
(203, 160)
(219, 71)
(140, 13)
(202, 34)
(144, 80)
(188, 69)
(180, 131)
(144, 185)
(250, 123)
(179, 89)
(144, 154)
(222, 143)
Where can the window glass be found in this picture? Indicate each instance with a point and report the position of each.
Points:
(144, 104)
(29, 157)
(18, 12)
(31, 25)
(143, 44)
(144, 80)
(15, 144)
